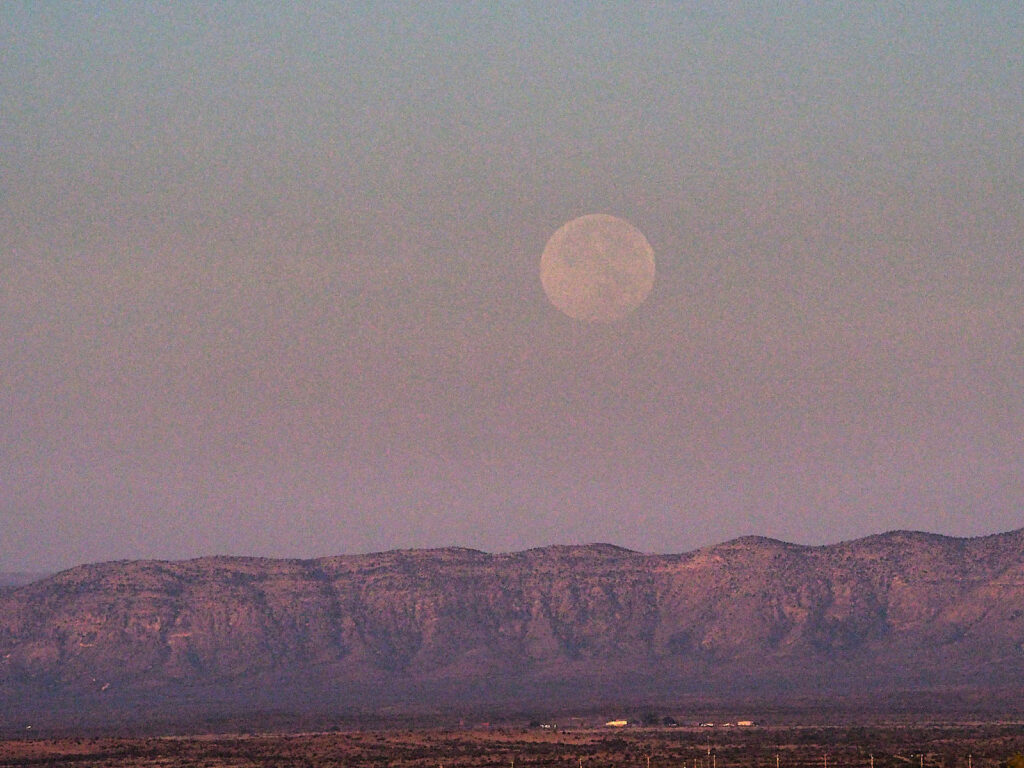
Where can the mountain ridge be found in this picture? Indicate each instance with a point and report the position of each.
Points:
(565, 623)
(595, 545)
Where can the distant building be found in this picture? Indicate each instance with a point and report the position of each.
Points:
(745, 723)
(617, 723)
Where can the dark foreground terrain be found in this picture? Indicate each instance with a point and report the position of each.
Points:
(932, 746)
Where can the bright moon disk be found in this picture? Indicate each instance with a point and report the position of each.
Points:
(597, 268)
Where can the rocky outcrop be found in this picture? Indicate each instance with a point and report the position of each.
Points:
(898, 609)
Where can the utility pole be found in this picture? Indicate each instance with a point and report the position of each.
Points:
(826, 761)
(776, 760)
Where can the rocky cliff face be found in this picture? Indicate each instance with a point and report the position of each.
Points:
(895, 610)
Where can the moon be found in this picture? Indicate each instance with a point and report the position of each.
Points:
(597, 268)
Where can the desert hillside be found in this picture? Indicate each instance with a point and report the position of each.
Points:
(897, 611)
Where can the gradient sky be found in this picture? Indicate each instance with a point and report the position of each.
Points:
(269, 277)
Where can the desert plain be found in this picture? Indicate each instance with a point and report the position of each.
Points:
(562, 745)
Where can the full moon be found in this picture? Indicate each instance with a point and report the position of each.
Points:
(597, 268)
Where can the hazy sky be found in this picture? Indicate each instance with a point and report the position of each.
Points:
(269, 277)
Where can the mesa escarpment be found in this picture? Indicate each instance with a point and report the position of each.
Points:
(877, 614)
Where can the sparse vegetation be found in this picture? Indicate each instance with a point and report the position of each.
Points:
(983, 746)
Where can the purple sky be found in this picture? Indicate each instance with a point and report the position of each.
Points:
(269, 278)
